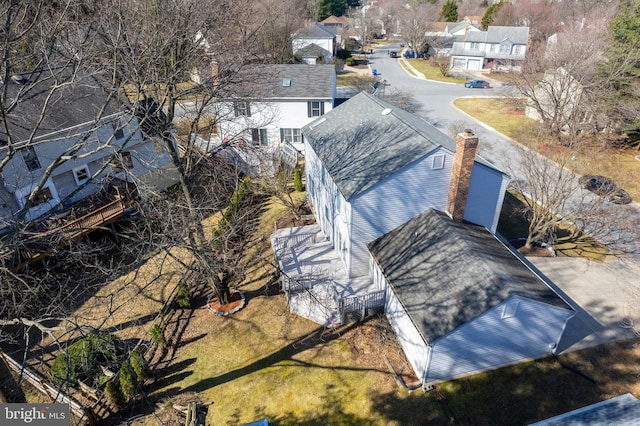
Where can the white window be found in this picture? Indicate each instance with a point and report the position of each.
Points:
(291, 135)
(519, 50)
(474, 45)
(505, 49)
(259, 137)
(241, 109)
(438, 162)
(315, 108)
(81, 174)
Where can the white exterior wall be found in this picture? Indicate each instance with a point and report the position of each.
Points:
(101, 147)
(416, 350)
(332, 211)
(273, 115)
(496, 339)
(486, 194)
(325, 43)
(394, 201)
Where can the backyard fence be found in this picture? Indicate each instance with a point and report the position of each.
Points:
(84, 415)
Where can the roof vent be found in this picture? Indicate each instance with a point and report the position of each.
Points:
(386, 111)
(286, 82)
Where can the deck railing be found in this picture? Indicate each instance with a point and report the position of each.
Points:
(41, 243)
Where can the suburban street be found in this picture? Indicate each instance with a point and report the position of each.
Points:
(606, 296)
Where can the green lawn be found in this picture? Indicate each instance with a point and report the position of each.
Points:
(265, 362)
(432, 72)
(503, 114)
(507, 117)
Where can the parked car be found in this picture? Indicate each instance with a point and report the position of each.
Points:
(477, 84)
(393, 53)
(412, 54)
(605, 187)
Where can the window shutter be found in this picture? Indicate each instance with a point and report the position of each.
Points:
(321, 108)
(309, 109)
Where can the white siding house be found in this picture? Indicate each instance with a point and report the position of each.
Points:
(459, 300)
(83, 140)
(370, 167)
(322, 37)
(387, 166)
(268, 106)
(497, 49)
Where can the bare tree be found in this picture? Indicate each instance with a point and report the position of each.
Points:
(415, 20)
(560, 82)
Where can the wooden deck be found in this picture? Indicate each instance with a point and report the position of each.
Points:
(46, 236)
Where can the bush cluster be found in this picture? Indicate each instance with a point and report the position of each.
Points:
(82, 359)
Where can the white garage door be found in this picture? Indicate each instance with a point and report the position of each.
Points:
(474, 64)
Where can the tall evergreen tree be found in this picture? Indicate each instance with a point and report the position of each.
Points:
(489, 14)
(449, 11)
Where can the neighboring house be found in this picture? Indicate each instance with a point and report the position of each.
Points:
(338, 25)
(623, 410)
(84, 139)
(557, 100)
(497, 49)
(460, 301)
(322, 36)
(442, 35)
(267, 107)
(371, 167)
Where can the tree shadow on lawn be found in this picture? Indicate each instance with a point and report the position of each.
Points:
(318, 337)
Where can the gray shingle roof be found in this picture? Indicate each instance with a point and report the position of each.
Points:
(81, 100)
(266, 82)
(446, 273)
(497, 34)
(365, 140)
(623, 410)
(315, 30)
(311, 50)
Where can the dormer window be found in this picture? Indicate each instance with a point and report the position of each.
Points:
(81, 174)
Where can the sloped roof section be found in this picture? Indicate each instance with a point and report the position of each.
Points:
(623, 410)
(264, 82)
(311, 51)
(365, 140)
(64, 98)
(446, 273)
(497, 34)
(314, 30)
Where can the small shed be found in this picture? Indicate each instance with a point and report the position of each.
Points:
(460, 301)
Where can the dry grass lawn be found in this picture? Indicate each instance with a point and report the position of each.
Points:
(265, 362)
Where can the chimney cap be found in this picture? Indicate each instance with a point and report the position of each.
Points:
(468, 132)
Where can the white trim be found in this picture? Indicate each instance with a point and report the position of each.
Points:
(75, 171)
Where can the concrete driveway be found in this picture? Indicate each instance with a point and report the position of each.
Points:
(606, 297)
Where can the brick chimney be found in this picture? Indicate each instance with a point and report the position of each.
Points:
(466, 144)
